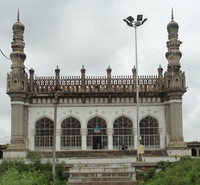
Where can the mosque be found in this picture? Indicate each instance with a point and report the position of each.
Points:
(96, 112)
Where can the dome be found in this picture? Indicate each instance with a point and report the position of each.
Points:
(18, 26)
(172, 24)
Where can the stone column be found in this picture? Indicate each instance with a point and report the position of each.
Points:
(160, 78)
(162, 139)
(57, 71)
(134, 78)
(32, 140)
(110, 132)
(109, 78)
(84, 132)
(31, 71)
(135, 137)
(58, 144)
(176, 123)
(83, 79)
(17, 125)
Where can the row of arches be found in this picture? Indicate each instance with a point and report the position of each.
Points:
(97, 137)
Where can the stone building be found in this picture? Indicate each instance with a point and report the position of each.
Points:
(96, 112)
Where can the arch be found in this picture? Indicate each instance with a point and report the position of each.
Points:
(168, 84)
(125, 115)
(123, 133)
(1, 154)
(194, 152)
(149, 131)
(66, 117)
(97, 135)
(15, 84)
(38, 118)
(44, 134)
(70, 134)
(22, 85)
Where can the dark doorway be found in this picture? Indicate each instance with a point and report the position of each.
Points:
(194, 152)
(1, 154)
(97, 142)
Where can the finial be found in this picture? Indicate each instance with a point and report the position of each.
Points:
(82, 66)
(172, 14)
(18, 16)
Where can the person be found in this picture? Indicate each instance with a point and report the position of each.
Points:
(126, 147)
(119, 147)
(122, 147)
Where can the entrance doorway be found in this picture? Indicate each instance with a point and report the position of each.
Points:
(97, 137)
(97, 142)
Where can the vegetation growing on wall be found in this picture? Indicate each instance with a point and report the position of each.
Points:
(183, 172)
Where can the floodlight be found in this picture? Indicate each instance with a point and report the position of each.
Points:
(139, 17)
(130, 18)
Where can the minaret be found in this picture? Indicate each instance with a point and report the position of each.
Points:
(174, 86)
(17, 89)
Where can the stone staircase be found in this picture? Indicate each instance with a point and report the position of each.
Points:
(102, 174)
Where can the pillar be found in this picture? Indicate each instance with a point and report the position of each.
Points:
(160, 78)
(135, 138)
(31, 71)
(58, 133)
(17, 125)
(176, 123)
(84, 138)
(83, 79)
(109, 78)
(110, 132)
(32, 140)
(162, 138)
(134, 78)
(57, 72)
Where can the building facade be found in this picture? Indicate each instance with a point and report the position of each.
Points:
(96, 112)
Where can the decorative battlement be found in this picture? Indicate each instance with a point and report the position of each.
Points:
(95, 84)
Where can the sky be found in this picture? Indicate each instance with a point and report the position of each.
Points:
(72, 33)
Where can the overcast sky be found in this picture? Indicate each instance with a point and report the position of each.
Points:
(72, 33)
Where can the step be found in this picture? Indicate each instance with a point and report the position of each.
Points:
(102, 174)
(104, 183)
(101, 169)
(97, 179)
(102, 164)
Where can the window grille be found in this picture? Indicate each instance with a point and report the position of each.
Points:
(44, 134)
(149, 131)
(70, 137)
(123, 133)
(92, 123)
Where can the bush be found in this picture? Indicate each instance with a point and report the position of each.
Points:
(14, 177)
(36, 171)
(185, 171)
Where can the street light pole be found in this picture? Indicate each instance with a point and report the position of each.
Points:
(130, 22)
(137, 90)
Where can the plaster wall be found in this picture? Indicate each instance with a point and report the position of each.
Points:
(85, 112)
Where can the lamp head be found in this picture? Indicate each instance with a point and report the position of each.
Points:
(139, 17)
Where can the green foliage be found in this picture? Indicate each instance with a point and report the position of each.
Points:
(165, 164)
(186, 171)
(35, 172)
(149, 174)
(14, 177)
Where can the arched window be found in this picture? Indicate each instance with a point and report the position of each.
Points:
(71, 136)
(194, 152)
(97, 136)
(149, 131)
(44, 134)
(168, 83)
(123, 133)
